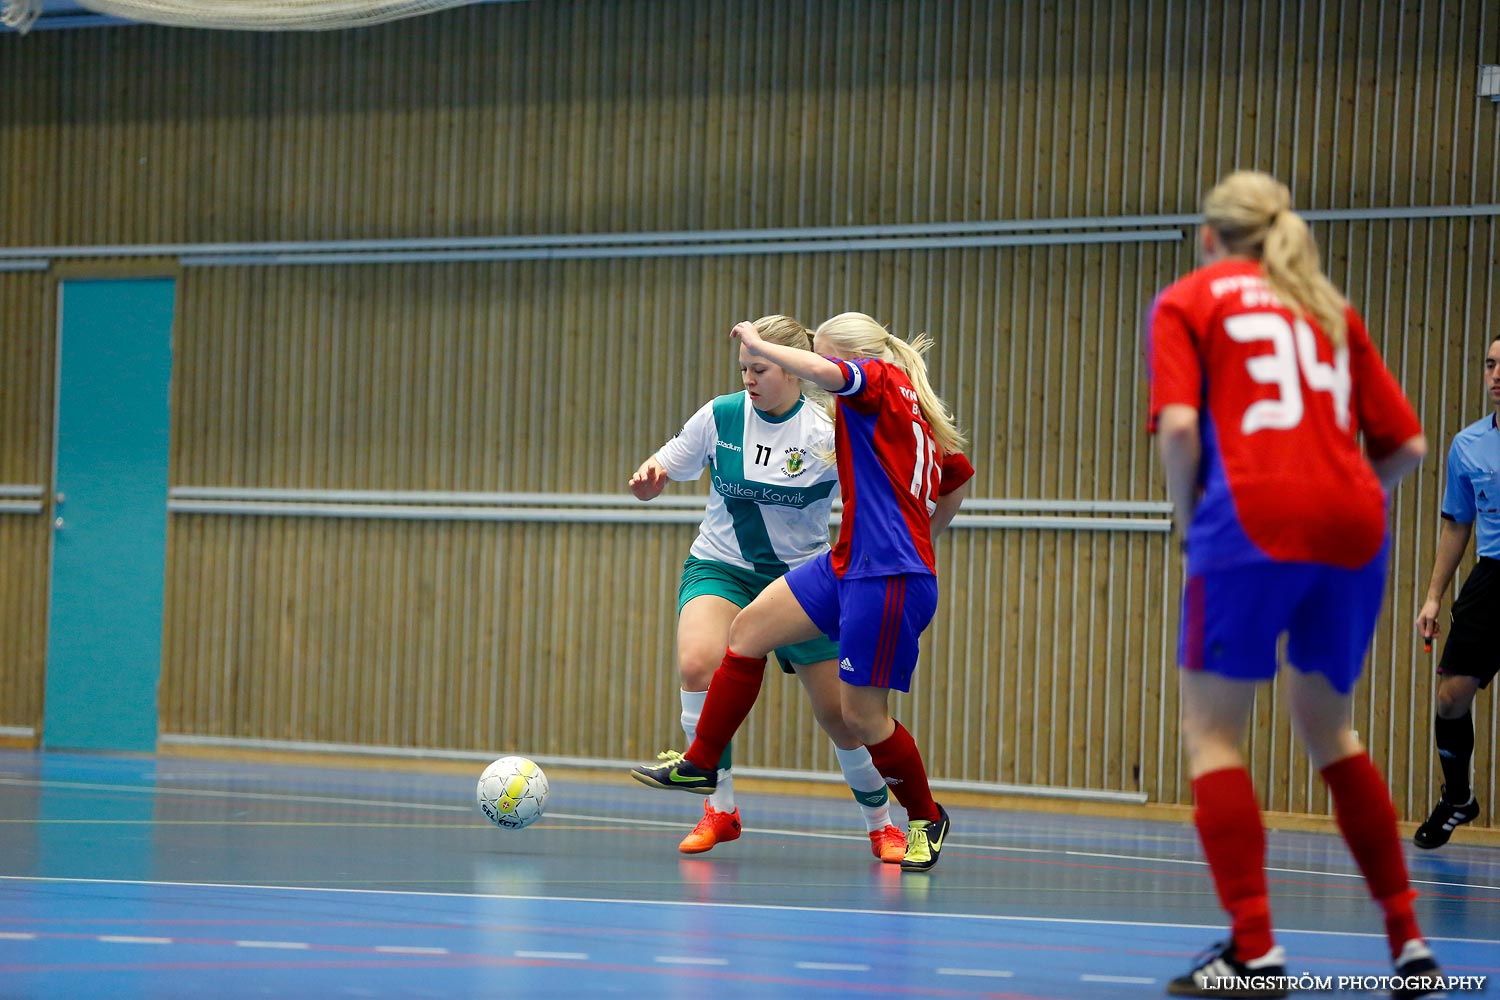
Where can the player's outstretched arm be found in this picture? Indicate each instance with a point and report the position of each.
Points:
(804, 364)
(649, 480)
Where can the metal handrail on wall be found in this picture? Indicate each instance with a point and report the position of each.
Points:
(799, 239)
(598, 508)
(21, 498)
(589, 508)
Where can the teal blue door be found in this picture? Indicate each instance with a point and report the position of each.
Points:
(109, 534)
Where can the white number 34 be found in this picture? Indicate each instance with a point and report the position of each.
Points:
(1294, 352)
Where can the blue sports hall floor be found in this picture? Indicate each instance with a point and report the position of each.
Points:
(175, 877)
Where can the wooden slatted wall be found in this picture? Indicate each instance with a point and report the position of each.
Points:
(26, 387)
(1050, 659)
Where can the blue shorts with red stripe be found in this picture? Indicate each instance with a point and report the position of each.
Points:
(1233, 618)
(877, 620)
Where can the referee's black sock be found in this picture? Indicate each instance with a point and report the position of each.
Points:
(1455, 747)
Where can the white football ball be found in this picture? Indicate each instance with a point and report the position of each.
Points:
(512, 792)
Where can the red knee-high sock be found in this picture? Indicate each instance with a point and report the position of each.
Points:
(731, 695)
(1367, 819)
(900, 762)
(1234, 840)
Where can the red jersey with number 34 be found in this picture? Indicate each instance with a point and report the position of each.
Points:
(1280, 415)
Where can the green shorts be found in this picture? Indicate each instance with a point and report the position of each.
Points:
(739, 587)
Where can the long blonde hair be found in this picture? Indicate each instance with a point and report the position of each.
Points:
(1251, 213)
(860, 336)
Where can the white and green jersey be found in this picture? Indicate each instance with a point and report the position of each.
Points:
(768, 510)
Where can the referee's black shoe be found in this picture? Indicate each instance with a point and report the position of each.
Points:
(1446, 817)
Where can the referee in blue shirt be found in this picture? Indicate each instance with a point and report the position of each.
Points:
(1470, 657)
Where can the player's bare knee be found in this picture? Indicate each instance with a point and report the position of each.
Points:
(747, 636)
(695, 669)
(1324, 747)
(839, 731)
(868, 728)
(1203, 738)
(697, 659)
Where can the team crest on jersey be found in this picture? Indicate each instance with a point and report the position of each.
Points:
(796, 464)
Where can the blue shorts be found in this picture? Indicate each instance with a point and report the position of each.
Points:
(1232, 620)
(877, 620)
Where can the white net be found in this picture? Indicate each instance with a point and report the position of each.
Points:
(266, 15)
(20, 14)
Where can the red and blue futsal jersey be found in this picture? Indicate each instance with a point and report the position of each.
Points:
(889, 473)
(1280, 416)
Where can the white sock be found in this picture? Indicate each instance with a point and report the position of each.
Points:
(867, 785)
(722, 799)
(692, 707)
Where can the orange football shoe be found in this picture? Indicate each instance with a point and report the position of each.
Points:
(718, 828)
(889, 845)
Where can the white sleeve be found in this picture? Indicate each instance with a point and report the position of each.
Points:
(824, 444)
(685, 456)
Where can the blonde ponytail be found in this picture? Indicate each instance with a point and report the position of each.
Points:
(859, 335)
(910, 359)
(1251, 214)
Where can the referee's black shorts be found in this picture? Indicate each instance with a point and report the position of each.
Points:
(1472, 650)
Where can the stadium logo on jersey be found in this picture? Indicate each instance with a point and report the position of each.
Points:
(727, 446)
(795, 463)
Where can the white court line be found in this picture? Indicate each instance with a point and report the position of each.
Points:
(209, 793)
(676, 824)
(575, 817)
(831, 966)
(764, 907)
(1128, 980)
(288, 945)
(1199, 862)
(983, 973)
(569, 956)
(689, 960)
(388, 949)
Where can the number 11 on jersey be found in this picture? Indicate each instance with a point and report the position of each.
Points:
(924, 467)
